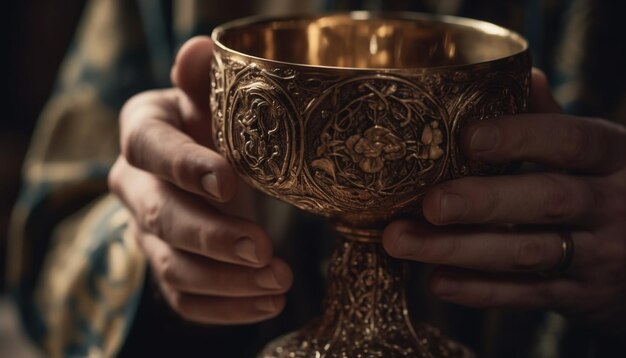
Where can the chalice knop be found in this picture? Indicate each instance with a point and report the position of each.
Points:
(354, 116)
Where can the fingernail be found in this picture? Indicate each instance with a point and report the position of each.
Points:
(452, 207)
(266, 304)
(267, 279)
(211, 185)
(246, 250)
(484, 139)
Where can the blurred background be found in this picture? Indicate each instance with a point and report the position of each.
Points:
(37, 34)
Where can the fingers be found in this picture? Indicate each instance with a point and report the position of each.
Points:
(194, 274)
(168, 132)
(206, 291)
(191, 70)
(219, 310)
(186, 223)
(592, 146)
(518, 199)
(190, 74)
(151, 141)
(529, 251)
(493, 291)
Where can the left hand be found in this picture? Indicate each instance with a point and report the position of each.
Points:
(483, 264)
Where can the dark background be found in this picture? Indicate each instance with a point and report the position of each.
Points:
(36, 36)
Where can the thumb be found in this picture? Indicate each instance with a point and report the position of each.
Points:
(191, 70)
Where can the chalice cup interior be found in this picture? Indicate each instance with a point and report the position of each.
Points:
(354, 116)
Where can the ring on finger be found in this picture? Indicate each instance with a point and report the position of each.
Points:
(567, 256)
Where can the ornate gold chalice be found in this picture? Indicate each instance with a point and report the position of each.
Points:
(354, 116)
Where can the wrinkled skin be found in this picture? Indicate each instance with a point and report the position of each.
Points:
(491, 237)
(211, 266)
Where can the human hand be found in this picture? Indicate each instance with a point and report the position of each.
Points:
(483, 263)
(211, 267)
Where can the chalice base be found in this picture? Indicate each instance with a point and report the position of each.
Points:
(365, 312)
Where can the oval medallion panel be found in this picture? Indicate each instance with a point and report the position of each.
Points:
(261, 130)
(375, 142)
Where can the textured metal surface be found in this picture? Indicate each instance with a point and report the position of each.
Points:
(361, 146)
(365, 314)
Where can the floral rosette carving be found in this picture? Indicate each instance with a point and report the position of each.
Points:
(382, 140)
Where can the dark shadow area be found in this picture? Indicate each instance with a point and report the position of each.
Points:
(37, 34)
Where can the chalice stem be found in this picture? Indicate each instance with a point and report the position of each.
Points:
(365, 310)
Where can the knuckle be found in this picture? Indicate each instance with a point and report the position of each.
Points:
(201, 238)
(529, 254)
(128, 128)
(167, 270)
(557, 202)
(136, 138)
(169, 275)
(138, 102)
(151, 214)
(127, 108)
(132, 146)
(113, 179)
(208, 239)
(141, 240)
(573, 142)
(522, 142)
(178, 302)
(182, 163)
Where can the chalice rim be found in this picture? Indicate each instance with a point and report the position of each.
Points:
(468, 23)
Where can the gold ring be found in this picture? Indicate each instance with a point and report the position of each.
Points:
(567, 255)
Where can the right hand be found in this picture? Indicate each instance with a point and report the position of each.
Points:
(210, 266)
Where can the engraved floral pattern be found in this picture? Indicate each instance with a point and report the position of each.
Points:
(432, 138)
(374, 147)
(379, 138)
(360, 148)
(365, 314)
(335, 142)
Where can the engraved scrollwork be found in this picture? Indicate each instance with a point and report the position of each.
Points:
(217, 102)
(375, 138)
(365, 312)
(360, 140)
(260, 132)
(360, 146)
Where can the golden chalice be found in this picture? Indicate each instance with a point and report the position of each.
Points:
(354, 116)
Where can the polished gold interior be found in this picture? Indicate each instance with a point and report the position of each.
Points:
(365, 40)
